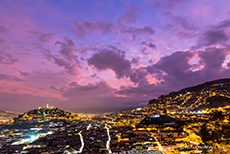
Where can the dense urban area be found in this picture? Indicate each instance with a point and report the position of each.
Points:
(193, 120)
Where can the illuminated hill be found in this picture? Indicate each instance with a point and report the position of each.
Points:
(7, 115)
(39, 117)
(44, 113)
(207, 95)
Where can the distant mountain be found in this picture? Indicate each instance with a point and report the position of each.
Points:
(207, 95)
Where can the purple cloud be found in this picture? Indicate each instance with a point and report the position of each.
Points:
(183, 23)
(147, 47)
(67, 49)
(120, 25)
(215, 35)
(175, 64)
(69, 61)
(69, 67)
(182, 26)
(213, 58)
(135, 60)
(7, 59)
(139, 76)
(137, 31)
(42, 37)
(166, 5)
(143, 91)
(174, 69)
(175, 72)
(211, 37)
(100, 85)
(150, 45)
(3, 29)
(9, 77)
(111, 59)
(1, 40)
(23, 73)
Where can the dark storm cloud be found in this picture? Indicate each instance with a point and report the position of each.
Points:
(111, 59)
(9, 77)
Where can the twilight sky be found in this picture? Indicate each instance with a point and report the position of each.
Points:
(108, 55)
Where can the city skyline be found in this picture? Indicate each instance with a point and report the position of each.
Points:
(101, 56)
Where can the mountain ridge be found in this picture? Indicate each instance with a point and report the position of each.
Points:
(195, 96)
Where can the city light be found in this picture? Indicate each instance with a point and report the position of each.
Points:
(33, 137)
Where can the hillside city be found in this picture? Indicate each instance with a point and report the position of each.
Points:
(192, 120)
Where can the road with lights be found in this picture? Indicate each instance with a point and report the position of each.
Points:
(108, 141)
(82, 143)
